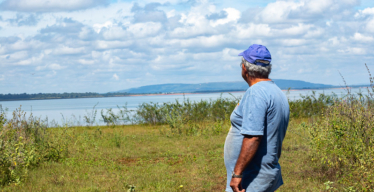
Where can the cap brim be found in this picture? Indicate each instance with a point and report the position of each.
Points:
(241, 54)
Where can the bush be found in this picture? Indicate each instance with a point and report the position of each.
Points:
(189, 118)
(25, 143)
(310, 105)
(186, 111)
(342, 141)
(111, 119)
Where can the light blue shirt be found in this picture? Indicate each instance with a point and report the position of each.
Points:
(264, 111)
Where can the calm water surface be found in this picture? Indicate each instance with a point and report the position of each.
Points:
(73, 110)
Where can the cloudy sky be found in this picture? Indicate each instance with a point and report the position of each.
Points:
(108, 45)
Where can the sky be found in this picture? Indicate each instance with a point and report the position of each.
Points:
(54, 46)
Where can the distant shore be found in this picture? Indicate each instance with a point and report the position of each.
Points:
(156, 94)
(159, 94)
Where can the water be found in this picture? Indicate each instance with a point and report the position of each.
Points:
(73, 110)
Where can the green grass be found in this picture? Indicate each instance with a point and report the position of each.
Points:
(141, 156)
(179, 147)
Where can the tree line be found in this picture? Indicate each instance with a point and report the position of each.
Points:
(38, 96)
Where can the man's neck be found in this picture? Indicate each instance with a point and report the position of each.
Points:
(252, 81)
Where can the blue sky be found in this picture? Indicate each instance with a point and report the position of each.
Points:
(109, 45)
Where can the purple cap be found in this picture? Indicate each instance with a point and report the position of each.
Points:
(257, 54)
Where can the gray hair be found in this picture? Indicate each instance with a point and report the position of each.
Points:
(257, 71)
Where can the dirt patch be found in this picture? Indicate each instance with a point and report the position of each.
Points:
(221, 184)
(168, 160)
(128, 161)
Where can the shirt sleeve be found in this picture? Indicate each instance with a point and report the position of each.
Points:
(254, 115)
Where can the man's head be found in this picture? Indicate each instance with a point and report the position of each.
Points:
(256, 62)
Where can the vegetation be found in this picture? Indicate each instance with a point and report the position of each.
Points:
(186, 111)
(25, 143)
(179, 147)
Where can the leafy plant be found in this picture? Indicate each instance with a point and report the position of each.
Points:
(342, 141)
(90, 117)
(25, 143)
(109, 117)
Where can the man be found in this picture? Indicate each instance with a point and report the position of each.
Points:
(258, 127)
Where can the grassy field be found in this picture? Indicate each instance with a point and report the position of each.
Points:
(179, 147)
(141, 157)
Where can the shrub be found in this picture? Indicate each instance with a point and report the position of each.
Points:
(187, 117)
(342, 141)
(186, 111)
(111, 119)
(310, 105)
(25, 143)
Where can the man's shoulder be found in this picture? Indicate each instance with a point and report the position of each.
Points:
(262, 88)
(267, 90)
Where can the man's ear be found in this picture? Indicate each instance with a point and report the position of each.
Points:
(243, 68)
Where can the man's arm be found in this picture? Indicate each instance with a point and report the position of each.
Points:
(248, 151)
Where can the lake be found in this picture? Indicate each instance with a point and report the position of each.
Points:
(73, 110)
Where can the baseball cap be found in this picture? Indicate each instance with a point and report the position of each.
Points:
(257, 54)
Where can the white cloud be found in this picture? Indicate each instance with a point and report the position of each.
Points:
(115, 77)
(55, 66)
(367, 11)
(49, 5)
(293, 42)
(300, 29)
(362, 38)
(353, 50)
(140, 30)
(200, 42)
(39, 68)
(2, 78)
(105, 45)
(170, 13)
(251, 30)
(51, 74)
(98, 26)
(278, 11)
(318, 6)
(314, 33)
(20, 55)
(37, 58)
(19, 45)
(230, 54)
(233, 15)
(65, 50)
(86, 62)
(115, 33)
(289, 11)
(334, 41)
(370, 26)
(92, 45)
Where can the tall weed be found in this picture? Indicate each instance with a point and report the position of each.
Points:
(342, 141)
(90, 117)
(25, 142)
(311, 105)
(122, 117)
(155, 113)
(187, 117)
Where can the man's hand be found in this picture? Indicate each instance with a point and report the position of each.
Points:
(236, 185)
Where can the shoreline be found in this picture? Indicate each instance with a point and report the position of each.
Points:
(163, 94)
(156, 94)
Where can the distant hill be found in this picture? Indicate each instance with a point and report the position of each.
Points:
(170, 88)
(219, 87)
